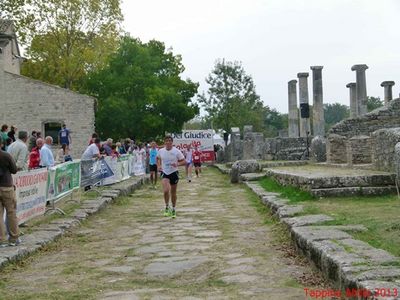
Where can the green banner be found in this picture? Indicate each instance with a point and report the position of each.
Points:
(63, 179)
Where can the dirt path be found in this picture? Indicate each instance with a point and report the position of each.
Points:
(218, 247)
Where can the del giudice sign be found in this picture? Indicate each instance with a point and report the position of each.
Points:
(202, 139)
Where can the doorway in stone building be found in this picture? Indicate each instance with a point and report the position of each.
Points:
(51, 128)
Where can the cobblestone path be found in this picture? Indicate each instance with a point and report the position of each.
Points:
(218, 247)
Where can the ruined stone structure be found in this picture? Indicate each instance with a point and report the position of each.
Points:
(369, 138)
(33, 105)
(293, 110)
(388, 94)
(303, 96)
(318, 149)
(383, 149)
(361, 88)
(253, 144)
(318, 102)
(353, 99)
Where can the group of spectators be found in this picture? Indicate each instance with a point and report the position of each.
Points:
(96, 149)
(32, 152)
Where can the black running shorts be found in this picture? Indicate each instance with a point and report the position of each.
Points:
(153, 168)
(197, 164)
(173, 177)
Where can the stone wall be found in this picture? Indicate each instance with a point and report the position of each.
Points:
(253, 145)
(336, 149)
(383, 148)
(285, 148)
(359, 150)
(383, 117)
(29, 103)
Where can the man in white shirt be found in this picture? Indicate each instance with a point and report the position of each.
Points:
(168, 160)
(46, 155)
(92, 151)
(19, 151)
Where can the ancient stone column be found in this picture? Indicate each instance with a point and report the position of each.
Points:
(293, 130)
(303, 96)
(318, 102)
(361, 88)
(387, 85)
(353, 99)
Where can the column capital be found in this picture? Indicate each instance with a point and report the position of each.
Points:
(316, 68)
(387, 83)
(351, 84)
(293, 81)
(359, 67)
(304, 74)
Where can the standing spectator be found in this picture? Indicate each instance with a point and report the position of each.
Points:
(32, 141)
(4, 136)
(34, 155)
(125, 147)
(94, 136)
(8, 200)
(114, 151)
(107, 147)
(19, 151)
(92, 151)
(64, 136)
(46, 156)
(12, 132)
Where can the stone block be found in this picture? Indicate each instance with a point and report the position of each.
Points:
(243, 166)
(289, 210)
(318, 149)
(306, 220)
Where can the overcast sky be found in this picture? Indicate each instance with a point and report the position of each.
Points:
(276, 39)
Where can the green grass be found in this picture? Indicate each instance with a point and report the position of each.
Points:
(379, 214)
(291, 193)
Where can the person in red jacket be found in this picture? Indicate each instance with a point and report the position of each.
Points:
(34, 158)
(197, 161)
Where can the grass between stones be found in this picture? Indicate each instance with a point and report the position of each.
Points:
(379, 214)
(289, 192)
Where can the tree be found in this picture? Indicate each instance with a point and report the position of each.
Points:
(334, 113)
(373, 103)
(140, 92)
(64, 39)
(274, 121)
(231, 99)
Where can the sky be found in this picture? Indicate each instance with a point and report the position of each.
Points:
(276, 39)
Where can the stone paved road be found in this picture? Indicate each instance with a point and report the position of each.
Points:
(218, 247)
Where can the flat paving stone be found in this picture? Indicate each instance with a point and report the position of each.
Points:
(171, 268)
(119, 269)
(239, 278)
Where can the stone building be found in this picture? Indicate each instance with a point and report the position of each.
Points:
(34, 105)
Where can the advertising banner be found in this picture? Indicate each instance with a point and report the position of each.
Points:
(119, 167)
(93, 172)
(31, 193)
(63, 179)
(203, 139)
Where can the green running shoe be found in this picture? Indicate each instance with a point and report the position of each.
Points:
(173, 214)
(167, 212)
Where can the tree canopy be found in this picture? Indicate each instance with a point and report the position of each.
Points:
(64, 39)
(140, 93)
(231, 100)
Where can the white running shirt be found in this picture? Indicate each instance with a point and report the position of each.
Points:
(169, 157)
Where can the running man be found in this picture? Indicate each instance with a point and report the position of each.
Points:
(197, 161)
(153, 163)
(188, 153)
(168, 160)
